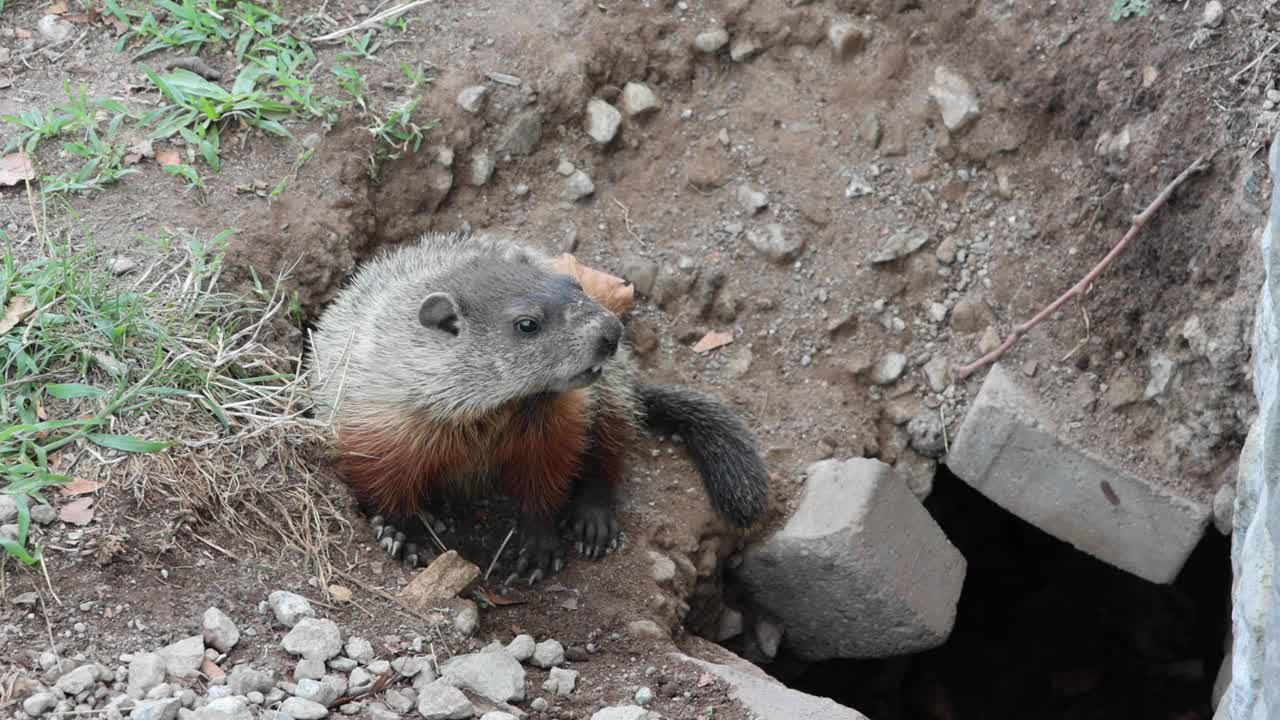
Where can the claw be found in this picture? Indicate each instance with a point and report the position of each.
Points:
(535, 576)
(387, 543)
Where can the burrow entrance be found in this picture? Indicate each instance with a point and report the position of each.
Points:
(1045, 631)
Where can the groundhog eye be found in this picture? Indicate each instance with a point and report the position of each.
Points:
(528, 326)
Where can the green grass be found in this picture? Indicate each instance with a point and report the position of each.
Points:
(1121, 9)
(276, 84)
(92, 360)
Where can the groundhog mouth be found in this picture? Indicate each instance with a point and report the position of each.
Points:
(584, 378)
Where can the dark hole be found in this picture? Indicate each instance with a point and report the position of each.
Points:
(1045, 631)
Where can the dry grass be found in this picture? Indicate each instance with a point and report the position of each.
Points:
(171, 393)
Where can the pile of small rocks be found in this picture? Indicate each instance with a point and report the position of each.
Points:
(330, 674)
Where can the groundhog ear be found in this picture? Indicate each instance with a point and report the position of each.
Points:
(439, 312)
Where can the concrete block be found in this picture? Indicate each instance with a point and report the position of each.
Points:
(1008, 450)
(764, 697)
(860, 570)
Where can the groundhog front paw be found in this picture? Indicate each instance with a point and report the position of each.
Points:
(540, 552)
(593, 528)
(396, 544)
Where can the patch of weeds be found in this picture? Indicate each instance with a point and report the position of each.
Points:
(350, 80)
(417, 76)
(188, 173)
(103, 158)
(88, 359)
(400, 22)
(1121, 9)
(201, 108)
(363, 47)
(191, 25)
(398, 133)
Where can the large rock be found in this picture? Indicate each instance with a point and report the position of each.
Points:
(860, 570)
(956, 98)
(184, 657)
(220, 633)
(146, 670)
(1008, 449)
(289, 607)
(442, 701)
(495, 674)
(314, 639)
(1255, 613)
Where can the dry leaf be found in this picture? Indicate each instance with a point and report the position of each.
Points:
(17, 310)
(713, 340)
(211, 669)
(58, 8)
(705, 679)
(168, 157)
(40, 411)
(612, 292)
(15, 168)
(80, 486)
(78, 512)
(117, 25)
(497, 600)
(340, 593)
(22, 33)
(139, 150)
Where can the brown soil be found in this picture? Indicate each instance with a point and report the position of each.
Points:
(1022, 200)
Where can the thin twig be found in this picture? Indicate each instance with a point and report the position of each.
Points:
(371, 20)
(1139, 221)
(498, 554)
(1256, 61)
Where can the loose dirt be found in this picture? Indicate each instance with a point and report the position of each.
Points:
(1015, 209)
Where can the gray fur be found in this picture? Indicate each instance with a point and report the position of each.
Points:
(370, 354)
(372, 358)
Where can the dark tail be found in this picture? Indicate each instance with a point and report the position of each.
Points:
(720, 446)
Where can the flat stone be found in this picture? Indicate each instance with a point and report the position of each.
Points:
(482, 166)
(495, 675)
(289, 608)
(548, 654)
(603, 121)
(74, 682)
(297, 708)
(39, 703)
(889, 369)
(835, 575)
(314, 639)
(1008, 449)
(227, 708)
(472, 99)
(358, 649)
(183, 658)
(308, 669)
(442, 701)
(846, 39)
(522, 647)
(561, 681)
(638, 100)
(447, 576)
(317, 692)
(752, 200)
(245, 679)
(773, 242)
(711, 41)
(8, 509)
(578, 186)
(165, 709)
(955, 97)
(899, 246)
(54, 29)
(220, 633)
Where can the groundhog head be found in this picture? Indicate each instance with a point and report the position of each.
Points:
(519, 329)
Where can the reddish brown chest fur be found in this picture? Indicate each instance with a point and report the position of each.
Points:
(533, 451)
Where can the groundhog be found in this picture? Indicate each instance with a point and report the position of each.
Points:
(462, 365)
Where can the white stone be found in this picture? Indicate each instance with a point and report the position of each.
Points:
(603, 121)
(638, 99)
(956, 98)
